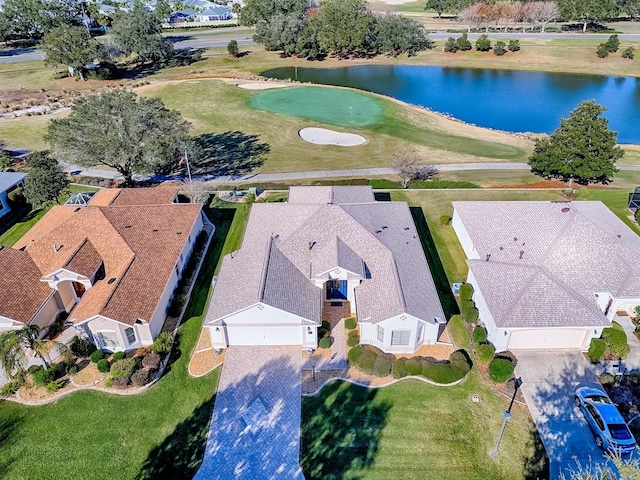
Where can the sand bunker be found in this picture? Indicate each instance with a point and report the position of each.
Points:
(322, 136)
(262, 85)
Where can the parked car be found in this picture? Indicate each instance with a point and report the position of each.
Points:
(609, 428)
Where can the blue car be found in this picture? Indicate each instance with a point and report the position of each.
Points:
(609, 428)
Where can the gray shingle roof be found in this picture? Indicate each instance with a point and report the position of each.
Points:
(275, 264)
(10, 179)
(336, 195)
(570, 251)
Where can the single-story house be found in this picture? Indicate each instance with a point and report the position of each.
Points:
(215, 13)
(327, 247)
(8, 182)
(548, 275)
(112, 265)
(182, 16)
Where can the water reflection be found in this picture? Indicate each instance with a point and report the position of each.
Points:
(502, 99)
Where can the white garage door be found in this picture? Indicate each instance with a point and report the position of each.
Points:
(547, 338)
(264, 335)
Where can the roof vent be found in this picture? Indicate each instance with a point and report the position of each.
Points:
(155, 230)
(179, 233)
(487, 257)
(311, 245)
(521, 254)
(127, 226)
(378, 231)
(619, 236)
(501, 248)
(77, 210)
(565, 210)
(407, 228)
(384, 227)
(515, 239)
(111, 280)
(56, 249)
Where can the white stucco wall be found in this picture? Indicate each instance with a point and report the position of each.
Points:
(494, 334)
(369, 333)
(47, 313)
(100, 323)
(463, 236)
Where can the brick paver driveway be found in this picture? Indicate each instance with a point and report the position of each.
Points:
(255, 428)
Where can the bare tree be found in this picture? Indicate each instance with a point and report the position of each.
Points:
(405, 164)
(547, 12)
(472, 16)
(198, 191)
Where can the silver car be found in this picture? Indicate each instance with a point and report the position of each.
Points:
(609, 428)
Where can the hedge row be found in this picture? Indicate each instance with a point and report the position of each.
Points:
(380, 183)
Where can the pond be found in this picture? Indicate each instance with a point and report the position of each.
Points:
(514, 101)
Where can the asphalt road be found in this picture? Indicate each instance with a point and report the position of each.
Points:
(219, 38)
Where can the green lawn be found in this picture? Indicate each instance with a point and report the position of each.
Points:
(12, 230)
(157, 434)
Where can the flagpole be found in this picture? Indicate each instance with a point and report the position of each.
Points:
(186, 157)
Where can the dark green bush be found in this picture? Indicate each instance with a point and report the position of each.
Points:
(140, 377)
(9, 389)
(151, 361)
(118, 356)
(105, 71)
(450, 46)
(350, 323)
(466, 291)
(597, 347)
(382, 366)
(43, 376)
(613, 43)
(514, 45)
(233, 49)
(413, 366)
(629, 53)
(500, 48)
(616, 341)
(123, 368)
(471, 316)
(463, 43)
(353, 339)
(501, 369)
(162, 343)
(445, 219)
(54, 385)
(466, 305)
(460, 362)
(366, 361)
(483, 44)
(398, 369)
(602, 51)
(16, 197)
(439, 372)
(82, 348)
(103, 365)
(354, 354)
(72, 369)
(485, 352)
(97, 355)
(325, 342)
(479, 334)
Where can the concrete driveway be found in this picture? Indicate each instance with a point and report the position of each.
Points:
(549, 379)
(255, 428)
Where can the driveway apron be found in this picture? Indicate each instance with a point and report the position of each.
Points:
(255, 427)
(548, 382)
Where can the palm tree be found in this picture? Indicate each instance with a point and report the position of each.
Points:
(29, 336)
(12, 355)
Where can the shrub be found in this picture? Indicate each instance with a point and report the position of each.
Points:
(616, 341)
(366, 361)
(140, 377)
(382, 366)
(103, 365)
(353, 339)
(82, 348)
(471, 316)
(607, 379)
(413, 366)
(118, 356)
(232, 48)
(398, 369)
(466, 291)
(500, 48)
(120, 383)
(354, 354)
(440, 372)
(466, 305)
(597, 347)
(54, 385)
(16, 196)
(501, 369)
(460, 362)
(629, 53)
(123, 368)
(483, 44)
(105, 71)
(613, 43)
(485, 352)
(450, 46)
(43, 376)
(72, 369)
(463, 43)
(325, 342)
(162, 343)
(445, 219)
(97, 355)
(514, 45)
(602, 51)
(479, 334)
(151, 361)
(10, 388)
(350, 323)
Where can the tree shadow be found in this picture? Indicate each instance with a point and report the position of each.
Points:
(341, 431)
(180, 454)
(448, 301)
(536, 464)
(233, 153)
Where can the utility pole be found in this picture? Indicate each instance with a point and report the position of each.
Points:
(506, 415)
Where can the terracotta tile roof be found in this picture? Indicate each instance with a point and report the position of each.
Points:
(21, 291)
(85, 261)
